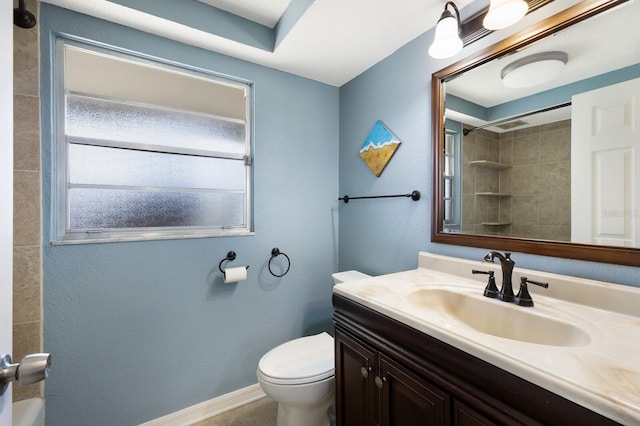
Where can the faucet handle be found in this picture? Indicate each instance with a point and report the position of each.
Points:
(539, 283)
(491, 290)
(523, 298)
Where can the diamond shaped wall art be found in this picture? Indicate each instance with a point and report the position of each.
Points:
(379, 147)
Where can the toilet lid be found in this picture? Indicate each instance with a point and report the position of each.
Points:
(304, 360)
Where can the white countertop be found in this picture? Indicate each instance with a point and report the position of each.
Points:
(602, 375)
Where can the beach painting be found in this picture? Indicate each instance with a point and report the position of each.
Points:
(379, 147)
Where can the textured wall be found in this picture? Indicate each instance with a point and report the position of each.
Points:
(142, 329)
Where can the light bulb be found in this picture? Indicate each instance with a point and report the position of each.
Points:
(503, 13)
(446, 42)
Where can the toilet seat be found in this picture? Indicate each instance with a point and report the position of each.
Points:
(303, 360)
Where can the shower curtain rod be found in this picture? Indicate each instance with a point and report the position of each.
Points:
(505, 120)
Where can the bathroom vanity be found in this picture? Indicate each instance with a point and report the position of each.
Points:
(425, 347)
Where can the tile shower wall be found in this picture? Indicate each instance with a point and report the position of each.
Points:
(480, 145)
(541, 201)
(27, 241)
(538, 181)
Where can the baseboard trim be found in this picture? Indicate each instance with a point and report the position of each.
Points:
(210, 408)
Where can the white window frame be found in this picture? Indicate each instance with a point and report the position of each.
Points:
(60, 167)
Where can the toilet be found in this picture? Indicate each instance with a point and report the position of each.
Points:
(299, 375)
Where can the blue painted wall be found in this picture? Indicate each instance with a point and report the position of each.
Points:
(142, 329)
(384, 236)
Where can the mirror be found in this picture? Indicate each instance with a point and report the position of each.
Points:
(537, 167)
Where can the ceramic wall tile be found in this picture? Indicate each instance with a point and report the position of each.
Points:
(25, 57)
(26, 132)
(26, 208)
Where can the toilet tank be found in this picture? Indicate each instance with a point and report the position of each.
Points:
(343, 277)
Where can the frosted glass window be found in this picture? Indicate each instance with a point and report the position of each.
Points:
(449, 156)
(451, 181)
(148, 150)
(99, 119)
(448, 188)
(96, 165)
(448, 210)
(103, 209)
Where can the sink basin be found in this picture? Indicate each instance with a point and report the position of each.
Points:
(498, 318)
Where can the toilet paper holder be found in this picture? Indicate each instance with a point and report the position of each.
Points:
(230, 256)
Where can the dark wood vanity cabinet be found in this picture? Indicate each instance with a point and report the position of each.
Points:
(389, 374)
(370, 381)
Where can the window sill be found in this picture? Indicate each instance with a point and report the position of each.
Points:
(151, 237)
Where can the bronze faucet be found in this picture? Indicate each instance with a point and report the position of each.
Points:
(523, 298)
(506, 292)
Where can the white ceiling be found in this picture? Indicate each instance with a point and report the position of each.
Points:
(601, 44)
(604, 43)
(265, 12)
(332, 42)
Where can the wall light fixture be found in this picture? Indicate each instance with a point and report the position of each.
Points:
(447, 41)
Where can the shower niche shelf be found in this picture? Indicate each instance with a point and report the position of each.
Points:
(493, 194)
(485, 164)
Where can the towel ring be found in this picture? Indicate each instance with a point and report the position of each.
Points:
(275, 253)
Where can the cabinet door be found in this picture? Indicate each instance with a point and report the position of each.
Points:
(466, 416)
(354, 382)
(408, 400)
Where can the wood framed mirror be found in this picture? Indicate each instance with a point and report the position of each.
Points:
(518, 175)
